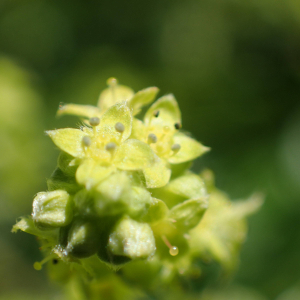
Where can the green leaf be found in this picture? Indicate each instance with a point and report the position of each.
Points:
(169, 112)
(86, 111)
(89, 173)
(134, 155)
(189, 213)
(142, 98)
(188, 186)
(189, 149)
(158, 174)
(113, 95)
(119, 113)
(68, 140)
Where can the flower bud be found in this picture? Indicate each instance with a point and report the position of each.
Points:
(81, 239)
(52, 209)
(131, 239)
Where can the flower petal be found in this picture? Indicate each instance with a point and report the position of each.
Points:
(89, 173)
(112, 95)
(139, 130)
(189, 213)
(134, 155)
(188, 186)
(142, 98)
(68, 140)
(169, 112)
(87, 111)
(119, 113)
(158, 174)
(189, 149)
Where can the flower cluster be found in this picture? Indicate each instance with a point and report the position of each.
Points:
(123, 195)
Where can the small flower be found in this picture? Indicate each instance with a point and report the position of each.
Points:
(160, 129)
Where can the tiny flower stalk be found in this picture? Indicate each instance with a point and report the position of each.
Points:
(122, 194)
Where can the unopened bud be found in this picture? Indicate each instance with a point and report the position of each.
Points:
(52, 209)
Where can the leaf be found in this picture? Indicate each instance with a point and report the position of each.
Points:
(189, 149)
(142, 98)
(189, 213)
(68, 140)
(134, 155)
(169, 112)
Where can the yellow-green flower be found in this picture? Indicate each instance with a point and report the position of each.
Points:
(160, 129)
(104, 147)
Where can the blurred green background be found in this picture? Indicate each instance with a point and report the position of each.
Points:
(234, 67)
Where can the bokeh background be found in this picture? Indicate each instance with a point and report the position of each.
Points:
(234, 67)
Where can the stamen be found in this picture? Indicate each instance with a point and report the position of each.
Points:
(95, 121)
(119, 127)
(177, 125)
(110, 147)
(156, 113)
(152, 138)
(173, 250)
(175, 148)
(86, 141)
(112, 83)
(38, 265)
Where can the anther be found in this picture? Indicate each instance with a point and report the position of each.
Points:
(119, 127)
(156, 113)
(38, 265)
(175, 147)
(177, 125)
(110, 147)
(95, 121)
(152, 138)
(173, 250)
(86, 141)
(112, 81)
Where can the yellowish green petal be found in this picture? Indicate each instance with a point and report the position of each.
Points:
(139, 130)
(114, 94)
(169, 112)
(89, 173)
(189, 149)
(188, 186)
(119, 113)
(86, 111)
(189, 213)
(142, 98)
(134, 155)
(68, 140)
(158, 174)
